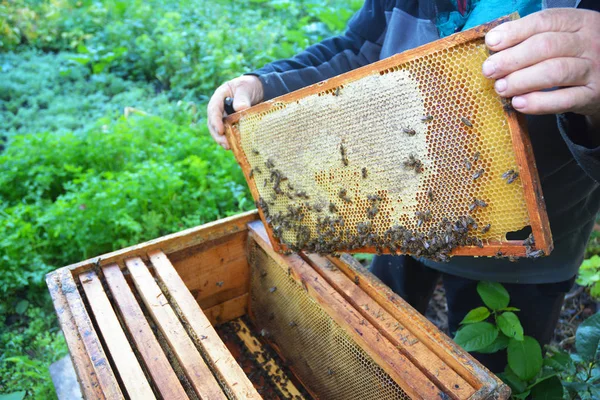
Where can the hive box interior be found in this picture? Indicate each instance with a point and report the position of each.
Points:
(215, 312)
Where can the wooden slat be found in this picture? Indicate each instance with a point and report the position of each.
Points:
(532, 186)
(198, 373)
(86, 376)
(154, 358)
(172, 243)
(488, 385)
(269, 366)
(431, 365)
(383, 352)
(204, 334)
(126, 363)
(227, 311)
(215, 271)
(106, 378)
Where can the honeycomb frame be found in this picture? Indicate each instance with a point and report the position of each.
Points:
(530, 208)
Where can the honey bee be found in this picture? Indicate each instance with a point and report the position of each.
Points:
(364, 172)
(273, 289)
(344, 155)
(337, 91)
(466, 122)
(478, 174)
(251, 173)
(220, 283)
(430, 194)
(512, 178)
(356, 279)
(269, 163)
(476, 156)
(409, 131)
(536, 254)
(332, 207)
(486, 228)
(468, 164)
(427, 118)
(292, 324)
(343, 196)
(255, 151)
(330, 372)
(480, 203)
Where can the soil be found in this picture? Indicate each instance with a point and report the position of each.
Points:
(577, 307)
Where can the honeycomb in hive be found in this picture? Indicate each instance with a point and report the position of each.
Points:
(413, 154)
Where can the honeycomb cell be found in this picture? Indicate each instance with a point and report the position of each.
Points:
(319, 146)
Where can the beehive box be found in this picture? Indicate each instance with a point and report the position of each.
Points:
(412, 154)
(216, 312)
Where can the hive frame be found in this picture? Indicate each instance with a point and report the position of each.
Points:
(536, 207)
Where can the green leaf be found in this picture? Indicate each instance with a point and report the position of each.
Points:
(21, 307)
(474, 337)
(595, 291)
(493, 295)
(548, 389)
(561, 362)
(509, 309)
(512, 380)
(522, 396)
(587, 338)
(525, 357)
(476, 315)
(13, 396)
(509, 324)
(500, 343)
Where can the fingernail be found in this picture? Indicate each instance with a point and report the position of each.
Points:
(519, 102)
(489, 68)
(493, 38)
(500, 85)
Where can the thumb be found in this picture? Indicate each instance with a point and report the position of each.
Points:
(241, 100)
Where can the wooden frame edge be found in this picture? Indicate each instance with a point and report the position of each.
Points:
(460, 360)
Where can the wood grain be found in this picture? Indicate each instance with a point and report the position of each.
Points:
(215, 271)
(122, 354)
(223, 363)
(106, 377)
(227, 311)
(382, 351)
(86, 376)
(204, 383)
(154, 358)
(173, 243)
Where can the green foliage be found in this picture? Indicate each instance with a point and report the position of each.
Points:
(589, 275)
(528, 373)
(78, 178)
(493, 295)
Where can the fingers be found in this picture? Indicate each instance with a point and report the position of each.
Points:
(537, 48)
(514, 32)
(215, 115)
(556, 72)
(554, 102)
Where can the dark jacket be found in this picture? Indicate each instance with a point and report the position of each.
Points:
(568, 164)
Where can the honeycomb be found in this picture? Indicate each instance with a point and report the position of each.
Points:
(323, 356)
(420, 146)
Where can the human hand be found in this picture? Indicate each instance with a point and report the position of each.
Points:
(245, 90)
(555, 48)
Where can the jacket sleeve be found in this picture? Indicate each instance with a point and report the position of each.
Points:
(578, 136)
(358, 46)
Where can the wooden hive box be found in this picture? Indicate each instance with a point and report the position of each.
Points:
(214, 312)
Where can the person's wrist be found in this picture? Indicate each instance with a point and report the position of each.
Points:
(257, 89)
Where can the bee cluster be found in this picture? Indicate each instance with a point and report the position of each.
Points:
(529, 243)
(413, 163)
(265, 365)
(510, 176)
(332, 234)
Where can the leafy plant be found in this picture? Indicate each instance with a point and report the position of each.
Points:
(497, 327)
(580, 373)
(589, 275)
(504, 331)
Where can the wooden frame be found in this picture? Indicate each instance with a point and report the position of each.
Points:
(118, 332)
(521, 144)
